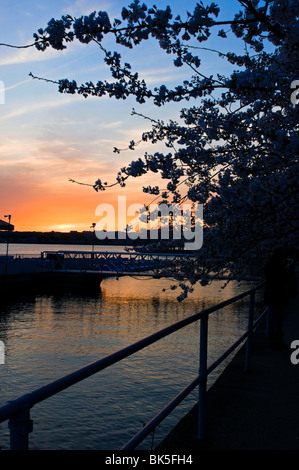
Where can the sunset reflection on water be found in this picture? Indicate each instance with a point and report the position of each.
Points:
(48, 335)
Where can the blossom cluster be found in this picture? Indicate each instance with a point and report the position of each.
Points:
(236, 149)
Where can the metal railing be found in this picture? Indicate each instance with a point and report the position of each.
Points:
(116, 262)
(18, 411)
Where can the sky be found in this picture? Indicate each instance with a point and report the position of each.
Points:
(48, 137)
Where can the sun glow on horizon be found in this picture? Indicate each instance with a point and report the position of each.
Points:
(48, 137)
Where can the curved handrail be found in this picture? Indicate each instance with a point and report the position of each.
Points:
(15, 407)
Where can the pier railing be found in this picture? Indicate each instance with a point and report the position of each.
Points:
(112, 263)
(18, 411)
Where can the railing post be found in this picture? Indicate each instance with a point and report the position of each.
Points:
(249, 337)
(203, 357)
(20, 426)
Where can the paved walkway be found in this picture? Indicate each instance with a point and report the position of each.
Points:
(256, 410)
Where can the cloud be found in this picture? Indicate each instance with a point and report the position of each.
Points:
(25, 56)
(44, 105)
(162, 75)
(85, 7)
(15, 85)
(66, 227)
(110, 125)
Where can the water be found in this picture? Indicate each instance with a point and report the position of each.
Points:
(48, 335)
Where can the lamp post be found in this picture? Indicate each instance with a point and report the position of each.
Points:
(7, 244)
(93, 225)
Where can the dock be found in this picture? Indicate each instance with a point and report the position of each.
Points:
(88, 268)
(255, 410)
(82, 268)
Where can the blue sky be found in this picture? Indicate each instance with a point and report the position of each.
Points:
(47, 137)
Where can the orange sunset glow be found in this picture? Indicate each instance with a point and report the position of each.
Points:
(47, 137)
(72, 207)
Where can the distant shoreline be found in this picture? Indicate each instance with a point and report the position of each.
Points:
(59, 238)
(70, 238)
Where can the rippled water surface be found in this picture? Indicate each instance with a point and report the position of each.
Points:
(48, 335)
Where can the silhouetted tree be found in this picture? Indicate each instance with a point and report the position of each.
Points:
(235, 149)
